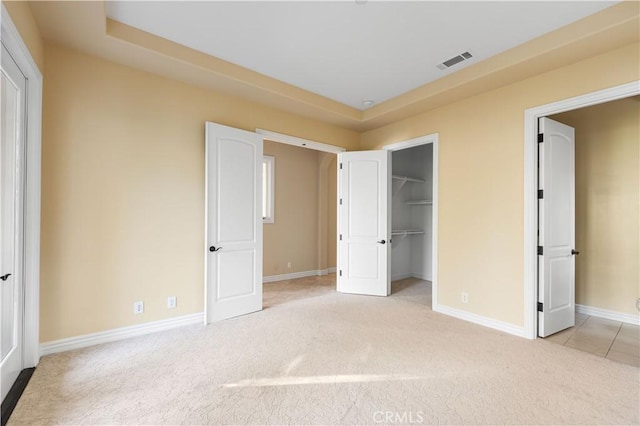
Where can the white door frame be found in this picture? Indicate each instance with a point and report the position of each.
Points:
(21, 55)
(424, 140)
(300, 142)
(531, 117)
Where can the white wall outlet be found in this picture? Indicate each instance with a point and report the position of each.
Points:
(288, 265)
(464, 297)
(138, 307)
(171, 302)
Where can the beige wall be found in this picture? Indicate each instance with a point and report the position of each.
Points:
(22, 18)
(481, 178)
(607, 203)
(123, 190)
(123, 174)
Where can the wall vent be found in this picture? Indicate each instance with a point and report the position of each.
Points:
(455, 60)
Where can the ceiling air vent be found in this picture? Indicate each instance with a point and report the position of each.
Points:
(455, 60)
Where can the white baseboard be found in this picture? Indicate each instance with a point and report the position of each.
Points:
(409, 275)
(332, 270)
(294, 275)
(397, 277)
(607, 314)
(421, 277)
(116, 334)
(480, 320)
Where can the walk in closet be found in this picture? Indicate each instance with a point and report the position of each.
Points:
(411, 213)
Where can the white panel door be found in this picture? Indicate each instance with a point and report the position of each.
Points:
(12, 107)
(364, 223)
(556, 264)
(233, 265)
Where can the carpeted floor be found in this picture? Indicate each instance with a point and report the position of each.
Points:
(314, 356)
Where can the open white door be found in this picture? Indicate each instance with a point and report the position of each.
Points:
(12, 151)
(364, 223)
(556, 241)
(233, 223)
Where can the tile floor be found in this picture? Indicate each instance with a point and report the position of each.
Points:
(606, 338)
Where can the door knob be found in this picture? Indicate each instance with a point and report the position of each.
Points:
(574, 252)
(382, 242)
(5, 277)
(214, 249)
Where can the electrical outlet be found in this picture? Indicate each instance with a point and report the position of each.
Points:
(464, 297)
(288, 265)
(171, 302)
(138, 307)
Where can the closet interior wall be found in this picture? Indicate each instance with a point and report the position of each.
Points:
(412, 195)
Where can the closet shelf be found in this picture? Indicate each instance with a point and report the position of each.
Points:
(406, 232)
(408, 179)
(418, 202)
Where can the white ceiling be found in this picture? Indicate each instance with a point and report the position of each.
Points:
(345, 51)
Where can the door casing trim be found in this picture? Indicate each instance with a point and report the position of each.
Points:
(531, 117)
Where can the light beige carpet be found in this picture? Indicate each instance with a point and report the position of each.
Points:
(331, 359)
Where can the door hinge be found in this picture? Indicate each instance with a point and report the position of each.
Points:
(540, 194)
(340, 166)
(340, 272)
(340, 237)
(340, 201)
(540, 307)
(540, 137)
(540, 251)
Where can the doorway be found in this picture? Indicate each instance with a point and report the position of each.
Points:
(412, 221)
(531, 188)
(300, 235)
(368, 213)
(605, 321)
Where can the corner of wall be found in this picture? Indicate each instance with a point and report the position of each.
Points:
(23, 19)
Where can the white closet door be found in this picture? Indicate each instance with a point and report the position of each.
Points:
(12, 108)
(556, 263)
(364, 223)
(233, 222)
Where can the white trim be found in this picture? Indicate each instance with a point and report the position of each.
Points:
(115, 334)
(403, 276)
(531, 117)
(13, 42)
(332, 270)
(296, 141)
(607, 314)
(294, 275)
(423, 140)
(422, 277)
(480, 320)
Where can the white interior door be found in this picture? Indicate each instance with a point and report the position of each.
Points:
(13, 104)
(556, 241)
(364, 223)
(233, 222)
